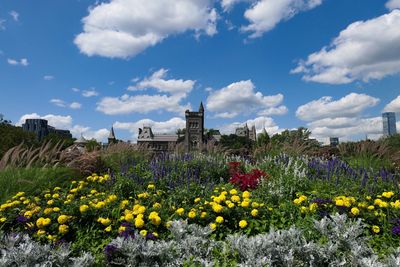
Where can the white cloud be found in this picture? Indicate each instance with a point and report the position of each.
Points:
(393, 106)
(124, 28)
(14, 15)
(76, 90)
(66, 123)
(63, 104)
(163, 127)
(260, 122)
(141, 104)
(48, 77)
(89, 93)
(266, 14)
(240, 98)
(158, 81)
(228, 4)
(280, 110)
(23, 62)
(357, 53)
(347, 128)
(58, 102)
(392, 4)
(75, 105)
(348, 106)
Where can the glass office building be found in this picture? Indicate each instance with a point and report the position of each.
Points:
(389, 123)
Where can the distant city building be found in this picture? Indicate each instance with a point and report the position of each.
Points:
(246, 132)
(389, 123)
(41, 128)
(334, 141)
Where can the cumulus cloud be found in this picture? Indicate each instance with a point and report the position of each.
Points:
(350, 105)
(162, 127)
(392, 4)
(241, 98)
(393, 106)
(48, 77)
(228, 4)
(63, 104)
(88, 93)
(264, 15)
(357, 53)
(66, 123)
(159, 82)
(22, 62)
(76, 90)
(141, 104)
(341, 118)
(124, 28)
(260, 123)
(14, 14)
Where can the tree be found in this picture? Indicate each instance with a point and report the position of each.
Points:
(4, 121)
(263, 139)
(92, 145)
(11, 136)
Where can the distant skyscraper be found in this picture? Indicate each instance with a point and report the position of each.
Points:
(334, 141)
(389, 123)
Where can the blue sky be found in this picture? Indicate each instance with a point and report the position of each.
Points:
(330, 65)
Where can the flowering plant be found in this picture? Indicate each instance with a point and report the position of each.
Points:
(245, 180)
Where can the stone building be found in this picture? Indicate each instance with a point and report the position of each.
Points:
(111, 137)
(157, 142)
(194, 136)
(246, 132)
(41, 128)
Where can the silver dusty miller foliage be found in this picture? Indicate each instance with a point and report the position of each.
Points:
(20, 250)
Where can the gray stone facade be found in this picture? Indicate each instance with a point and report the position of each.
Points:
(41, 128)
(246, 132)
(194, 136)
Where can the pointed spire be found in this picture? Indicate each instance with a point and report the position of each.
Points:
(112, 134)
(201, 108)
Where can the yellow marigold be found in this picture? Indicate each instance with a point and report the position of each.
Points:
(143, 233)
(104, 221)
(139, 223)
(297, 201)
(192, 215)
(371, 207)
(376, 229)
(41, 232)
(377, 201)
(83, 208)
(3, 219)
(339, 202)
(62, 219)
(235, 198)
(129, 217)
(155, 234)
(217, 208)
(47, 195)
(56, 209)
(203, 214)
(255, 205)
(313, 207)
(368, 197)
(20, 194)
(28, 214)
(121, 229)
(63, 229)
(51, 237)
(100, 205)
(302, 198)
(219, 219)
(151, 186)
(303, 209)
(388, 194)
(213, 226)
(112, 198)
(108, 229)
(56, 195)
(246, 194)
(197, 199)
(245, 204)
(180, 211)
(242, 224)
(156, 220)
(156, 205)
(383, 204)
(50, 202)
(355, 211)
(233, 192)
(254, 213)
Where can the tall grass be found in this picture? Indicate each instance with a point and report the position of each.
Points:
(33, 180)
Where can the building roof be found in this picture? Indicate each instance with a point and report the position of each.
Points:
(112, 134)
(160, 138)
(81, 140)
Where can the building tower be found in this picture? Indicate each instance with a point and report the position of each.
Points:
(389, 123)
(37, 126)
(253, 133)
(111, 137)
(194, 135)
